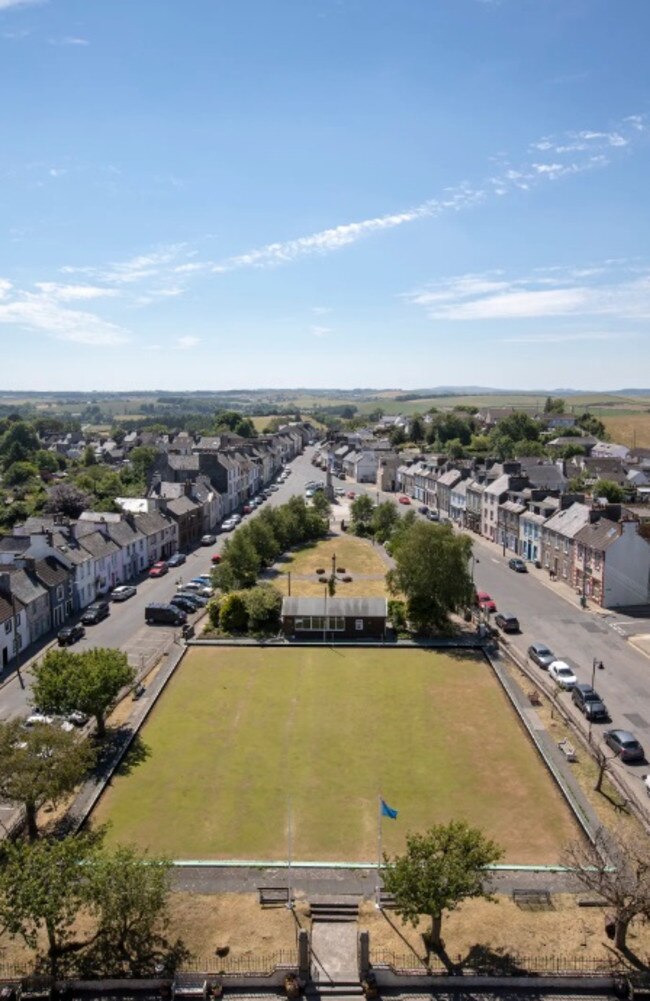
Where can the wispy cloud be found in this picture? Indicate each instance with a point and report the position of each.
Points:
(559, 337)
(187, 342)
(612, 289)
(6, 4)
(572, 153)
(69, 40)
(44, 312)
(318, 331)
(72, 293)
(134, 269)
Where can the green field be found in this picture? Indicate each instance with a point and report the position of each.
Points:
(240, 733)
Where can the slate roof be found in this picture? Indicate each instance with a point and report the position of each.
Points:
(569, 521)
(543, 475)
(24, 587)
(50, 572)
(188, 463)
(182, 505)
(123, 534)
(14, 544)
(600, 535)
(6, 610)
(349, 607)
(99, 546)
(151, 522)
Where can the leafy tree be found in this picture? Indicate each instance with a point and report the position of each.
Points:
(263, 538)
(384, 519)
(397, 614)
(439, 870)
(263, 604)
(570, 450)
(67, 500)
(46, 462)
(89, 681)
(518, 426)
(480, 443)
(397, 437)
(130, 893)
(233, 613)
(242, 557)
(592, 425)
(44, 888)
(19, 473)
(320, 504)
(432, 571)
(609, 490)
(618, 870)
(18, 443)
(417, 429)
(142, 459)
(362, 509)
(89, 457)
(455, 449)
(529, 449)
(40, 765)
(554, 405)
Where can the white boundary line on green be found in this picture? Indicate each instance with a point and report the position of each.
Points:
(269, 864)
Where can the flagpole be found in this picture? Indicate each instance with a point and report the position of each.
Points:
(378, 904)
(289, 853)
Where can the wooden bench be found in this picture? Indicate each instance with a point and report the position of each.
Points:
(568, 750)
(533, 900)
(273, 896)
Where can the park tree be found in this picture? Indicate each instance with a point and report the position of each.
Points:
(38, 765)
(611, 491)
(320, 504)
(130, 893)
(438, 871)
(89, 682)
(233, 613)
(242, 557)
(45, 886)
(384, 519)
(263, 605)
(362, 509)
(618, 870)
(263, 538)
(68, 500)
(432, 571)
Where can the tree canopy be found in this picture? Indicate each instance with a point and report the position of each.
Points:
(432, 571)
(40, 764)
(89, 681)
(438, 870)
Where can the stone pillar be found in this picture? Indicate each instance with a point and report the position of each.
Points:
(364, 953)
(304, 955)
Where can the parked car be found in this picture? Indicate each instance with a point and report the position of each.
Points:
(423, 509)
(228, 525)
(38, 717)
(624, 744)
(247, 509)
(70, 634)
(517, 565)
(176, 560)
(340, 491)
(123, 592)
(203, 578)
(433, 516)
(404, 499)
(309, 493)
(77, 718)
(208, 540)
(138, 691)
(485, 602)
(184, 601)
(159, 569)
(589, 702)
(506, 622)
(215, 558)
(198, 600)
(198, 587)
(562, 675)
(95, 613)
(351, 494)
(541, 655)
(163, 614)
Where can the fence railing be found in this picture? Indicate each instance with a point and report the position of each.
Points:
(254, 965)
(405, 964)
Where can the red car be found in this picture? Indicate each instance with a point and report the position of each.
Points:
(405, 500)
(485, 602)
(216, 558)
(351, 494)
(246, 509)
(159, 569)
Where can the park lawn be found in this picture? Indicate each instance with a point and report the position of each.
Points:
(358, 587)
(240, 734)
(357, 556)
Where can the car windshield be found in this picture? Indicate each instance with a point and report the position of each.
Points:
(543, 651)
(565, 671)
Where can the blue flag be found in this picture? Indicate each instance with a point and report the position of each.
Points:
(387, 811)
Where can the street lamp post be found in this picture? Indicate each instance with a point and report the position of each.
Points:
(596, 663)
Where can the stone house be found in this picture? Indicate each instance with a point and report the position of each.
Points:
(612, 563)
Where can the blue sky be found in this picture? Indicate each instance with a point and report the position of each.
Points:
(394, 193)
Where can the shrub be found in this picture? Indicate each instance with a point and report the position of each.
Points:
(397, 614)
(213, 612)
(263, 605)
(233, 613)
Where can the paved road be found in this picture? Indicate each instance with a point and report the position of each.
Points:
(125, 627)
